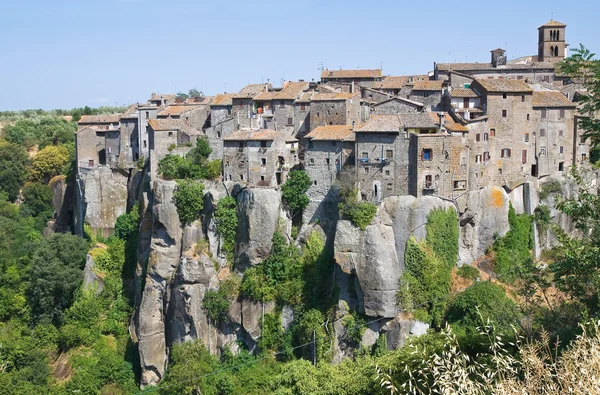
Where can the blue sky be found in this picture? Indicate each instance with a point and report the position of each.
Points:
(63, 54)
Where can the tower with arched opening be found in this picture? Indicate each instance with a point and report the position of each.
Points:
(551, 42)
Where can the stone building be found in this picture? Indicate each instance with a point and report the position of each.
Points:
(427, 92)
(258, 157)
(243, 108)
(397, 105)
(350, 80)
(397, 85)
(302, 114)
(329, 149)
(221, 108)
(551, 43)
(554, 135)
(90, 145)
(502, 147)
(146, 112)
(465, 102)
(167, 135)
(275, 109)
(196, 115)
(103, 146)
(334, 108)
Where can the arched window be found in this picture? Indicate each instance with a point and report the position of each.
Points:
(557, 35)
(551, 50)
(555, 51)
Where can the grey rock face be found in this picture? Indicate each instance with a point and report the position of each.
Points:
(399, 329)
(483, 214)
(105, 192)
(258, 216)
(90, 279)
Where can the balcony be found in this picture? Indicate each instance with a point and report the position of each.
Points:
(429, 186)
(375, 161)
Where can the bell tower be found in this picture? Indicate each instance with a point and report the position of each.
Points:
(551, 43)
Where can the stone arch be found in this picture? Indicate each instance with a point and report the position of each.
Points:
(556, 51)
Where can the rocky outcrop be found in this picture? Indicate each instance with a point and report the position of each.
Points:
(91, 280)
(165, 248)
(483, 216)
(104, 193)
(376, 255)
(259, 213)
(400, 328)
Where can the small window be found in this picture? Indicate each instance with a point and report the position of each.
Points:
(170, 134)
(522, 98)
(505, 153)
(582, 140)
(219, 135)
(561, 150)
(504, 95)
(486, 156)
(477, 137)
(544, 114)
(560, 133)
(427, 154)
(485, 137)
(528, 117)
(315, 182)
(562, 113)
(290, 121)
(263, 144)
(365, 155)
(500, 171)
(524, 156)
(542, 132)
(327, 161)
(503, 113)
(147, 114)
(366, 170)
(282, 104)
(312, 161)
(526, 137)
(492, 132)
(91, 163)
(145, 144)
(302, 107)
(228, 110)
(263, 161)
(242, 177)
(477, 158)
(109, 150)
(561, 166)
(262, 178)
(387, 172)
(389, 154)
(583, 157)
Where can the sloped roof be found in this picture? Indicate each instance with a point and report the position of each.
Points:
(204, 100)
(176, 110)
(251, 90)
(163, 124)
(222, 99)
(305, 97)
(92, 119)
(398, 122)
(460, 92)
(349, 74)
(553, 23)
(422, 85)
(259, 134)
(449, 123)
(551, 99)
(291, 90)
(504, 85)
(330, 132)
(466, 67)
(402, 99)
(418, 120)
(159, 96)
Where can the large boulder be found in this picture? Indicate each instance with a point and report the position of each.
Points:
(483, 217)
(259, 213)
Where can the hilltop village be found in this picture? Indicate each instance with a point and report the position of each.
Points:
(456, 129)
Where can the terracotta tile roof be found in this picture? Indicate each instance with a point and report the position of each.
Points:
(466, 67)
(397, 82)
(205, 100)
(291, 90)
(449, 123)
(260, 134)
(265, 96)
(398, 122)
(222, 99)
(551, 99)
(330, 132)
(176, 110)
(305, 97)
(401, 99)
(428, 85)
(349, 74)
(173, 124)
(333, 96)
(251, 90)
(159, 96)
(459, 92)
(553, 23)
(462, 66)
(504, 85)
(93, 119)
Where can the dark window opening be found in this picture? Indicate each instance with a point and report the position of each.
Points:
(504, 113)
(427, 154)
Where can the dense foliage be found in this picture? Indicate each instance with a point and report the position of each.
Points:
(189, 200)
(226, 221)
(194, 166)
(37, 203)
(360, 213)
(49, 162)
(513, 250)
(293, 191)
(41, 131)
(14, 168)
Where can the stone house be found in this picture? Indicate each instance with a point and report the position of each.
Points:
(465, 102)
(194, 114)
(243, 108)
(221, 108)
(350, 80)
(258, 157)
(427, 92)
(90, 147)
(397, 105)
(275, 109)
(167, 135)
(442, 158)
(106, 145)
(329, 149)
(302, 114)
(146, 112)
(334, 108)
(554, 135)
(502, 150)
(374, 96)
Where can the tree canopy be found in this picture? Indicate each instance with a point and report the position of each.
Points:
(14, 168)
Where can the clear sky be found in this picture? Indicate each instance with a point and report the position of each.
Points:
(71, 53)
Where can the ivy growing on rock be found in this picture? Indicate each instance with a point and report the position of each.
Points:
(189, 200)
(226, 221)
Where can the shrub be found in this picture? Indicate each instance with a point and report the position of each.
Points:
(549, 188)
(189, 200)
(226, 221)
(354, 327)
(14, 163)
(201, 152)
(37, 203)
(512, 250)
(171, 147)
(293, 191)
(216, 305)
(127, 224)
(541, 214)
(442, 234)
(361, 214)
(468, 272)
(172, 167)
(213, 169)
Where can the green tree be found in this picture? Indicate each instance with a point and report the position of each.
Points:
(199, 154)
(49, 162)
(195, 93)
(181, 96)
(127, 224)
(56, 271)
(189, 200)
(37, 203)
(14, 164)
(172, 167)
(226, 221)
(216, 305)
(293, 191)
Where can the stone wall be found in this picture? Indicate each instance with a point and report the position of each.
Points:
(328, 113)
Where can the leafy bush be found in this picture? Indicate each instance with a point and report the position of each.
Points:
(201, 152)
(361, 214)
(513, 250)
(354, 327)
(488, 300)
(293, 191)
(127, 224)
(37, 203)
(49, 162)
(468, 272)
(212, 170)
(14, 168)
(216, 305)
(189, 200)
(442, 234)
(541, 214)
(42, 131)
(171, 147)
(549, 188)
(172, 167)
(226, 221)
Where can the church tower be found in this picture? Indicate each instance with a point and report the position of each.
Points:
(551, 43)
